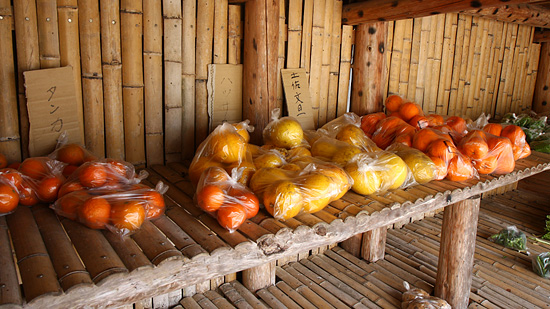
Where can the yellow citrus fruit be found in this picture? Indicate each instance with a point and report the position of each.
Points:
(241, 129)
(253, 149)
(365, 182)
(285, 133)
(339, 177)
(396, 173)
(264, 177)
(355, 136)
(283, 199)
(248, 169)
(226, 147)
(344, 155)
(318, 190)
(198, 166)
(269, 159)
(291, 167)
(324, 148)
(299, 151)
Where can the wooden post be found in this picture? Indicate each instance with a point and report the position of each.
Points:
(205, 36)
(374, 244)
(220, 31)
(353, 245)
(367, 90)
(541, 101)
(456, 254)
(260, 49)
(259, 277)
(345, 68)
(9, 131)
(234, 34)
(188, 78)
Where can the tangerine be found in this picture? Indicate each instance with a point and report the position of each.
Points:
(493, 128)
(69, 187)
(226, 147)
(69, 170)
(246, 199)
(12, 176)
(241, 128)
(435, 120)
(423, 138)
(392, 103)
(128, 215)
(3, 161)
(27, 195)
(517, 137)
(14, 165)
(9, 199)
(502, 148)
(440, 167)
(155, 204)
(474, 145)
(69, 204)
(231, 216)
(210, 198)
(443, 149)
(405, 139)
(408, 110)
(92, 175)
(369, 122)
(34, 168)
(486, 165)
(198, 166)
(95, 212)
(460, 169)
(48, 188)
(72, 154)
(526, 151)
(419, 122)
(456, 123)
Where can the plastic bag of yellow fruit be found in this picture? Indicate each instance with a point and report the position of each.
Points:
(347, 128)
(377, 172)
(285, 132)
(333, 150)
(421, 166)
(225, 147)
(286, 193)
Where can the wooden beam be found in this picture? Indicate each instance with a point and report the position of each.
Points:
(541, 36)
(383, 10)
(525, 14)
(541, 100)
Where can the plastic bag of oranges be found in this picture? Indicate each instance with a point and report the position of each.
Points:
(9, 195)
(224, 148)
(105, 174)
(122, 211)
(392, 129)
(70, 153)
(490, 154)
(225, 198)
(42, 179)
(283, 132)
(378, 172)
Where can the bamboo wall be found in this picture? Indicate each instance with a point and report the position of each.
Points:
(454, 64)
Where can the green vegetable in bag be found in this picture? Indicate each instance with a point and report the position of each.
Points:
(541, 145)
(541, 264)
(510, 237)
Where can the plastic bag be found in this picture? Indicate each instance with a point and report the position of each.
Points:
(72, 154)
(9, 195)
(490, 154)
(517, 137)
(346, 128)
(333, 150)
(511, 238)
(285, 132)
(42, 179)
(224, 148)
(421, 166)
(541, 264)
(542, 145)
(415, 298)
(122, 211)
(391, 128)
(378, 172)
(479, 123)
(222, 196)
(369, 122)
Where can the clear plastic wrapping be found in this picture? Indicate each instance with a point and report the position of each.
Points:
(541, 264)
(510, 237)
(415, 298)
(42, 179)
(334, 150)
(421, 166)
(283, 132)
(490, 154)
(9, 194)
(369, 122)
(390, 129)
(72, 154)
(517, 137)
(122, 211)
(439, 146)
(347, 128)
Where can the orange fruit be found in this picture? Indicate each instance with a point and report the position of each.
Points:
(92, 175)
(3, 161)
(69, 187)
(493, 128)
(95, 212)
(127, 215)
(27, 195)
(460, 169)
(526, 151)
(440, 167)
(67, 206)
(226, 147)
(405, 139)
(486, 165)
(442, 148)
(419, 122)
(409, 110)
(456, 123)
(48, 188)
(517, 137)
(423, 138)
(369, 122)
(34, 168)
(241, 128)
(12, 176)
(502, 148)
(198, 166)
(154, 204)
(210, 198)
(69, 170)
(246, 199)
(72, 154)
(434, 120)
(474, 145)
(231, 216)
(117, 169)
(392, 103)
(9, 199)
(14, 165)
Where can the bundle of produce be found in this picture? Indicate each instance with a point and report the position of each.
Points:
(421, 166)
(72, 154)
(369, 122)
(510, 237)
(42, 180)
(9, 196)
(286, 193)
(415, 298)
(489, 153)
(334, 150)
(101, 175)
(224, 148)
(285, 132)
(377, 172)
(397, 106)
(533, 126)
(392, 130)
(346, 128)
(121, 211)
(541, 264)
(225, 198)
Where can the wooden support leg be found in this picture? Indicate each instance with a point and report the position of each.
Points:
(456, 254)
(353, 245)
(259, 277)
(374, 244)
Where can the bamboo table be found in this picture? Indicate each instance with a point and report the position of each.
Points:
(61, 263)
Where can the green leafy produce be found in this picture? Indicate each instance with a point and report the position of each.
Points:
(541, 145)
(533, 127)
(541, 264)
(547, 229)
(510, 237)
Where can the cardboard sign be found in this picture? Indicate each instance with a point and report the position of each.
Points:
(298, 100)
(225, 93)
(51, 102)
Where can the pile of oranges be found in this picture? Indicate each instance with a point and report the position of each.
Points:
(73, 155)
(225, 198)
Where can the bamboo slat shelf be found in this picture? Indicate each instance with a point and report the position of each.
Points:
(64, 264)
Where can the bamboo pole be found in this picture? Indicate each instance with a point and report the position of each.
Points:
(508, 71)
(306, 35)
(332, 101)
(415, 54)
(48, 33)
(387, 60)
(272, 46)
(173, 116)
(499, 56)
(405, 58)
(466, 46)
(92, 88)
(188, 77)
(345, 66)
(152, 81)
(484, 91)
(112, 78)
(522, 65)
(422, 60)
(475, 42)
(234, 34)
(369, 68)
(294, 34)
(69, 48)
(524, 95)
(436, 65)
(449, 39)
(131, 17)
(26, 39)
(10, 145)
(478, 68)
(317, 33)
(534, 64)
(325, 62)
(396, 55)
(205, 36)
(220, 31)
(281, 54)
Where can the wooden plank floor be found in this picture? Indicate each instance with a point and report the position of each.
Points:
(502, 278)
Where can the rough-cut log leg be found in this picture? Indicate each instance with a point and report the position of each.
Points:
(456, 254)
(353, 245)
(259, 277)
(374, 243)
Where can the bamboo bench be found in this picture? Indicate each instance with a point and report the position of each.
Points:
(64, 264)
